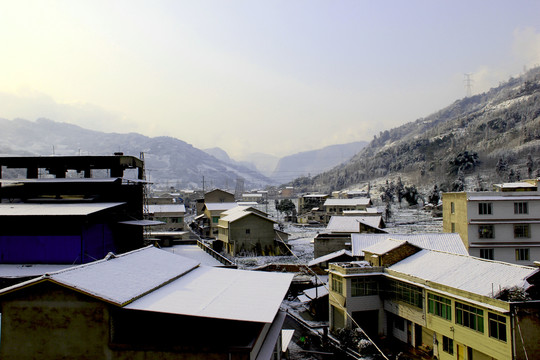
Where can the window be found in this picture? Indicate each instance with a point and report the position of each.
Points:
(470, 317)
(486, 232)
(497, 326)
(486, 254)
(522, 231)
(521, 208)
(363, 287)
(399, 323)
(248, 231)
(484, 209)
(448, 345)
(440, 306)
(337, 284)
(453, 227)
(407, 293)
(452, 208)
(215, 219)
(522, 255)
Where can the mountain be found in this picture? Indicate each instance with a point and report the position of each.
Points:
(471, 144)
(310, 163)
(168, 161)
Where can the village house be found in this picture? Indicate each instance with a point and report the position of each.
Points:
(246, 230)
(147, 303)
(337, 235)
(310, 208)
(448, 306)
(499, 225)
(171, 215)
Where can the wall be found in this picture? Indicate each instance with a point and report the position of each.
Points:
(260, 238)
(459, 217)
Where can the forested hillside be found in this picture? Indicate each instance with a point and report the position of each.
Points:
(474, 142)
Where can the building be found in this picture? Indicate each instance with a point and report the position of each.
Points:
(501, 225)
(446, 305)
(147, 303)
(246, 230)
(171, 215)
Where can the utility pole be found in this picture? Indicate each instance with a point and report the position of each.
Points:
(468, 83)
(203, 184)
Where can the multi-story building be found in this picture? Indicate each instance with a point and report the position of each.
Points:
(450, 306)
(502, 225)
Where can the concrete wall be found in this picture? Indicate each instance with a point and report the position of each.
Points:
(260, 238)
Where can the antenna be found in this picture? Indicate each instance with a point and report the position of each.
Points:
(468, 83)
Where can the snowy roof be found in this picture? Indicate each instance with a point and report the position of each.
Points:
(448, 242)
(239, 212)
(63, 209)
(220, 206)
(515, 185)
(384, 246)
(368, 210)
(330, 256)
(475, 275)
(166, 208)
(316, 292)
(351, 224)
(220, 293)
(252, 195)
(500, 197)
(347, 202)
(151, 279)
(193, 252)
(315, 195)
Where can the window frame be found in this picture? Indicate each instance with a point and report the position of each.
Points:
(497, 325)
(363, 286)
(521, 207)
(448, 345)
(486, 231)
(523, 254)
(485, 208)
(337, 284)
(490, 256)
(469, 316)
(440, 306)
(522, 231)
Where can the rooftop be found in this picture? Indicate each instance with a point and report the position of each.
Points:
(351, 224)
(348, 202)
(58, 209)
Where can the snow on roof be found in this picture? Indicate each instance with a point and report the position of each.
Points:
(193, 252)
(505, 197)
(330, 256)
(220, 293)
(166, 208)
(515, 185)
(252, 195)
(368, 210)
(384, 246)
(347, 202)
(239, 212)
(220, 206)
(447, 242)
(60, 209)
(120, 279)
(316, 292)
(351, 224)
(315, 195)
(141, 222)
(475, 275)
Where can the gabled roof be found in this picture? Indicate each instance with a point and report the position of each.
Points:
(447, 242)
(58, 209)
(240, 212)
(348, 202)
(475, 275)
(220, 206)
(150, 279)
(384, 246)
(351, 224)
(330, 256)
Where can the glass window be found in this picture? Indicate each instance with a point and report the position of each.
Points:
(453, 227)
(521, 231)
(522, 255)
(486, 232)
(363, 287)
(337, 284)
(215, 219)
(521, 208)
(484, 209)
(407, 293)
(440, 306)
(497, 326)
(448, 345)
(248, 231)
(470, 317)
(452, 208)
(487, 254)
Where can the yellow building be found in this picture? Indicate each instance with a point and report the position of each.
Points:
(500, 225)
(450, 306)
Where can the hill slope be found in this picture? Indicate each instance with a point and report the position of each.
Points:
(501, 126)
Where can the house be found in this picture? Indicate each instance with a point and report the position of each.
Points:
(338, 206)
(61, 220)
(446, 305)
(147, 303)
(500, 225)
(246, 230)
(171, 215)
(337, 235)
(310, 208)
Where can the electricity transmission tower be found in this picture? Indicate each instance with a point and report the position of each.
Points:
(468, 83)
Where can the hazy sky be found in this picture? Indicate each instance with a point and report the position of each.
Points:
(271, 76)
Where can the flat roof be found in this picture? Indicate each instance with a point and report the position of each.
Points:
(166, 208)
(48, 209)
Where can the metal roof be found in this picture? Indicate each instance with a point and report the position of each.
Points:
(220, 206)
(347, 202)
(351, 224)
(166, 208)
(330, 256)
(475, 275)
(48, 209)
(448, 242)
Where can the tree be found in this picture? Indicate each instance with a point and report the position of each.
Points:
(530, 164)
(286, 206)
(464, 161)
(411, 195)
(434, 196)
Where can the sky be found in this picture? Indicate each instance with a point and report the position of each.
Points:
(275, 77)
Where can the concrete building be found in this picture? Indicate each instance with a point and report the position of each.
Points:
(171, 215)
(502, 225)
(448, 306)
(144, 304)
